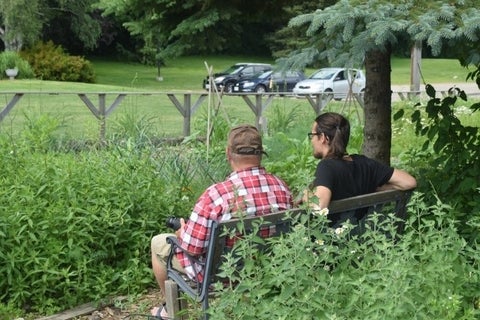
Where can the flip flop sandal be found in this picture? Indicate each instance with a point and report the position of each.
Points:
(158, 315)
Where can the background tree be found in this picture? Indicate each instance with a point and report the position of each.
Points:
(287, 39)
(355, 33)
(22, 22)
(196, 27)
(73, 24)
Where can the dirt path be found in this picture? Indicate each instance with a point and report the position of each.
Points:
(121, 308)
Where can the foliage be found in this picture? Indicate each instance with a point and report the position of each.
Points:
(75, 23)
(11, 60)
(170, 29)
(20, 23)
(450, 156)
(137, 129)
(345, 32)
(23, 22)
(82, 221)
(289, 39)
(282, 118)
(51, 62)
(352, 33)
(429, 273)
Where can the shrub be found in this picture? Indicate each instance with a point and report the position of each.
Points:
(11, 60)
(451, 149)
(50, 62)
(429, 273)
(76, 227)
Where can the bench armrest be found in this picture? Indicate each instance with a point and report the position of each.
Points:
(190, 286)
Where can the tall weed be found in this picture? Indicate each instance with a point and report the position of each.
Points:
(130, 126)
(282, 118)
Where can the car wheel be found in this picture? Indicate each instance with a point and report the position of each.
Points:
(229, 87)
(260, 89)
(330, 91)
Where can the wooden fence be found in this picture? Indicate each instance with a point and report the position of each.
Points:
(186, 103)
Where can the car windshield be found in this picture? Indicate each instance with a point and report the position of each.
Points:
(323, 74)
(232, 70)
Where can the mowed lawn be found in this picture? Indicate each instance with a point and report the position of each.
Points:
(148, 103)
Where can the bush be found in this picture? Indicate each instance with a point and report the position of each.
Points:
(451, 149)
(76, 227)
(50, 62)
(429, 273)
(11, 60)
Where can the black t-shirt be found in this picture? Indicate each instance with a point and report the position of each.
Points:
(351, 178)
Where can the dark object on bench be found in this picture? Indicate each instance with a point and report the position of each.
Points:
(342, 209)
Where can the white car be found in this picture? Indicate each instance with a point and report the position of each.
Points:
(335, 80)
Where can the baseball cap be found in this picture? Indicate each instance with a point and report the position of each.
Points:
(245, 139)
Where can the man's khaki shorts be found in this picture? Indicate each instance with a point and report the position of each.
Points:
(161, 249)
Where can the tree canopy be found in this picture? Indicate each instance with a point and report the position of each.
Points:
(22, 22)
(176, 28)
(363, 33)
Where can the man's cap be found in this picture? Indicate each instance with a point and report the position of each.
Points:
(245, 139)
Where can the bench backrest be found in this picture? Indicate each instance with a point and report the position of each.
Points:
(389, 201)
(217, 245)
(396, 201)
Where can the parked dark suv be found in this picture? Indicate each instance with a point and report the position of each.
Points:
(279, 81)
(227, 78)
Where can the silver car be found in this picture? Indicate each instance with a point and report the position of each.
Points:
(335, 80)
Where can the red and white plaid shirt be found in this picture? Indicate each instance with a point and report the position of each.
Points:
(251, 191)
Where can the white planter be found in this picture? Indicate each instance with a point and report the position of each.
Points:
(11, 73)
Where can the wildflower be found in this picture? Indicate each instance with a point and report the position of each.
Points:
(317, 211)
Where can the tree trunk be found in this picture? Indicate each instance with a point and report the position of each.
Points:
(377, 132)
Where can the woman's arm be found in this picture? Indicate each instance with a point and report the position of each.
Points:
(322, 193)
(400, 180)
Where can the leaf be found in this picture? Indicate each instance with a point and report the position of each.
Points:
(398, 114)
(430, 90)
(416, 116)
(463, 95)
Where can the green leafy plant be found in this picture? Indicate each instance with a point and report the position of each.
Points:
(12, 60)
(450, 154)
(82, 222)
(283, 118)
(318, 273)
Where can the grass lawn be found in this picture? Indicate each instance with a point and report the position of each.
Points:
(58, 99)
(187, 73)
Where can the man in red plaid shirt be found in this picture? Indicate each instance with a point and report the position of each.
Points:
(248, 190)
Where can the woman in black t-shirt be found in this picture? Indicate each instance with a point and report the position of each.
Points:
(340, 175)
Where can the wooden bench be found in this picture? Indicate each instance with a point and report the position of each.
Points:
(343, 209)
